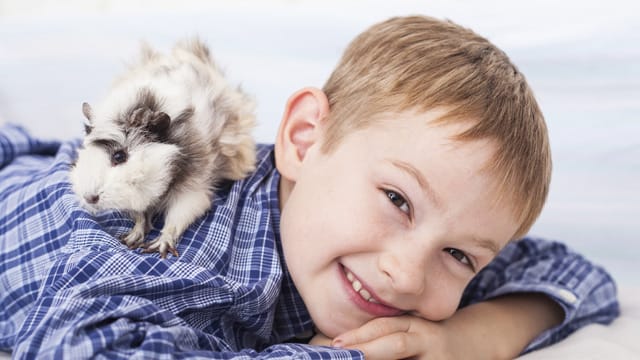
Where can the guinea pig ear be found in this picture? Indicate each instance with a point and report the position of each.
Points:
(159, 124)
(88, 113)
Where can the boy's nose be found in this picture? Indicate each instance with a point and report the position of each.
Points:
(406, 274)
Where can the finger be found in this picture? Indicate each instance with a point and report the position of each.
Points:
(398, 345)
(320, 339)
(374, 329)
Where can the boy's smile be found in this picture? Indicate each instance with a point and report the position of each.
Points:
(397, 219)
(363, 297)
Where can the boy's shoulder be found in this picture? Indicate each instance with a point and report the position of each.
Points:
(265, 160)
(16, 140)
(261, 179)
(249, 202)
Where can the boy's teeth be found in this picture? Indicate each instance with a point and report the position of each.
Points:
(365, 294)
(357, 286)
(350, 276)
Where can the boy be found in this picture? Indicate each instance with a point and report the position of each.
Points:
(385, 195)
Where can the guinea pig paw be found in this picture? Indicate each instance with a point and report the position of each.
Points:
(162, 245)
(133, 240)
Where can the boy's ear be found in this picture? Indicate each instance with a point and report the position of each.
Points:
(300, 128)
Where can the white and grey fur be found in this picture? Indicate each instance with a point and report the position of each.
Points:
(167, 132)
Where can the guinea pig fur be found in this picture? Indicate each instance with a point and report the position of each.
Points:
(164, 136)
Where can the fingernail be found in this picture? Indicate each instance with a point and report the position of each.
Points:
(337, 342)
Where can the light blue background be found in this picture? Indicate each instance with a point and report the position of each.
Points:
(582, 59)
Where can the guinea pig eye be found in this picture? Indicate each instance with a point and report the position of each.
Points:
(118, 157)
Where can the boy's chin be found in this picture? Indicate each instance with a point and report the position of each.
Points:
(332, 328)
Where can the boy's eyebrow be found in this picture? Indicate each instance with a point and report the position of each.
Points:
(420, 179)
(487, 244)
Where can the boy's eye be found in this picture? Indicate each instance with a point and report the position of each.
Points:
(118, 157)
(398, 201)
(460, 256)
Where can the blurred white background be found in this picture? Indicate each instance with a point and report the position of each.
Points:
(582, 59)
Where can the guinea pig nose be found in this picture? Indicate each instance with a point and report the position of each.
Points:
(92, 199)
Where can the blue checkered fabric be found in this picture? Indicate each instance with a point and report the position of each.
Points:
(70, 289)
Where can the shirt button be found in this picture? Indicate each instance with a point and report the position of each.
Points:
(567, 296)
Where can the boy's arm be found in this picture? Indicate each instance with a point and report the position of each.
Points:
(533, 294)
(141, 332)
(16, 141)
(126, 315)
(585, 292)
(494, 329)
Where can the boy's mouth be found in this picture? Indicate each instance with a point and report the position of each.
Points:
(357, 287)
(365, 299)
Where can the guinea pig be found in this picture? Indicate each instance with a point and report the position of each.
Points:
(168, 131)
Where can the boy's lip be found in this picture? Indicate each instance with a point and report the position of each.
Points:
(375, 306)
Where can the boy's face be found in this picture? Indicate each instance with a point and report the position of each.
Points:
(397, 219)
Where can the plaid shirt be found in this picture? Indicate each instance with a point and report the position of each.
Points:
(70, 289)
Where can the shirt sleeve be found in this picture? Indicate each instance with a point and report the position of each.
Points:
(84, 312)
(586, 292)
(16, 141)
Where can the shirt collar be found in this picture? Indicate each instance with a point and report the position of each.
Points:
(291, 317)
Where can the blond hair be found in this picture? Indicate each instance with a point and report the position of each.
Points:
(419, 63)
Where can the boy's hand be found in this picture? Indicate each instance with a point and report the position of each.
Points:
(499, 328)
(320, 339)
(402, 337)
